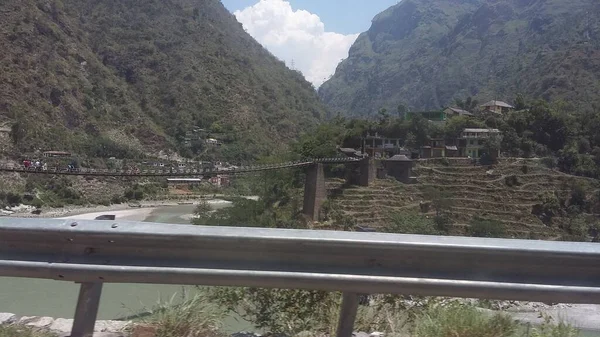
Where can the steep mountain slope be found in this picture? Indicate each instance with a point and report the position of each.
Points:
(426, 53)
(112, 77)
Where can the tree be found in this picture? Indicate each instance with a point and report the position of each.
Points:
(202, 209)
(441, 200)
(383, 117)
(519, 102)
(402, 110)
(491, 148)
(18, 132)
(469, 104)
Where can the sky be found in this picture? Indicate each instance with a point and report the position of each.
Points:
(311, 36)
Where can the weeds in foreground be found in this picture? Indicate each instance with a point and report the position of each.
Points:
(462, 321)
(188, 316)
(549, 329)
(22, 331)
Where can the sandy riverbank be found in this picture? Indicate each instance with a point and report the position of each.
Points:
(131, 212)
(134, 214)
(138, 213)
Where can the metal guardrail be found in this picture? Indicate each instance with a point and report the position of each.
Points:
(96, 252)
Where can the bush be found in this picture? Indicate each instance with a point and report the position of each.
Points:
(512, 181)
(487, 228)
(191, 317)
(284, 311)
(411, 223)
(104, 202)
(134, 194)
(462, 321)
(548, 208)
(117, 199)
(550, 162)
(549, 329)
(578, 196)
(13, 199)
(37, 203)
(442, 223)
(578, 227)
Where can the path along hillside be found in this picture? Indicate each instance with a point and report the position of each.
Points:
(529, 199)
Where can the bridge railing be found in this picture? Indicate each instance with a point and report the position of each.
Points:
(97, 252)
(179, 171)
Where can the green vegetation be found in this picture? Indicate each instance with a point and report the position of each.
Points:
(487, 228)
(280, 310)
(21, 331)
(463, 321)
(127, 80)
(412, 223)
(189, 316)
(425, 54)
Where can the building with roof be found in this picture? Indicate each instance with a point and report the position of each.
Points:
(472, 141)
(451, 112)
(379, 146)
(183, 184)
(439, 147)
(497, 107)
(57, 154)
(220, 180)
(350, 152)
(399, 167)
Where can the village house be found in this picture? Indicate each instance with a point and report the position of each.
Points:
(378, 146)
(451, 112)
(183, 183)
(56, 154)
(472, 141)
(212, 141)
(399, 167)
(497, 107)
(220, 180)
(439, 147)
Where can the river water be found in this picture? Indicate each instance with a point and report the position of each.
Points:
(36, 297)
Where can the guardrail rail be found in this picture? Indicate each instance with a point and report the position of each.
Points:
(97, 252)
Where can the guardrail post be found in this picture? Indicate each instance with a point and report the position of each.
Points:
(347, 314)
(87, 309)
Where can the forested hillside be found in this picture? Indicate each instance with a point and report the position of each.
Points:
(424, 54)
(123, 78)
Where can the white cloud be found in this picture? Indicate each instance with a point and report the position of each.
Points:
(297, 36)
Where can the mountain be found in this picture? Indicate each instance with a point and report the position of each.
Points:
(124, 77)
(427, 53)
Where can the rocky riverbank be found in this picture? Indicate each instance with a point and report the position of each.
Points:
(62, 326)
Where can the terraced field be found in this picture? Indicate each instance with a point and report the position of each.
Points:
(506, 192)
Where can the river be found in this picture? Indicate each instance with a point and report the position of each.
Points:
(37, 297)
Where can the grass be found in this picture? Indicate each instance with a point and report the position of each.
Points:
(189, 316)
(22, 331)
(463, 321)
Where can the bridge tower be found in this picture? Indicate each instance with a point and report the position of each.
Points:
(315, 192)
(368, 171)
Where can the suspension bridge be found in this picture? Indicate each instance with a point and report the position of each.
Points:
(175, 172)
(361, 171)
